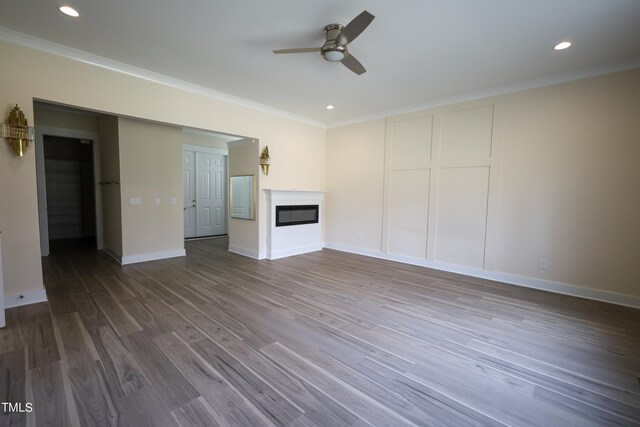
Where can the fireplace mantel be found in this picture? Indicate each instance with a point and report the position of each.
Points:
(287, 194)
(294, 239)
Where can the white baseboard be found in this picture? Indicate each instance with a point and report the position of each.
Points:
(295, 251)
(25, 298)
(512, 279)
(151, 256)
(244, 252)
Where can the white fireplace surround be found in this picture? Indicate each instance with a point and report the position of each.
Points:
(294, 239)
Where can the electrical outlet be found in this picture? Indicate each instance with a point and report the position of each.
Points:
(543, 264)
(157, 200)
(360, 236)
(135, 201)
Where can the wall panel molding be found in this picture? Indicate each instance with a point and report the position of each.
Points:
(454, 149)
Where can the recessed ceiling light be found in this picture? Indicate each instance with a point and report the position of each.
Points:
(330, 107)
(562, 45)
(68, 10)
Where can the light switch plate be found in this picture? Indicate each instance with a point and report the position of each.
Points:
(135, 201)
(172, 200)
(157, 200)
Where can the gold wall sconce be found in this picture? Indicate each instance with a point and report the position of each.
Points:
(17, 132)
(265, 161)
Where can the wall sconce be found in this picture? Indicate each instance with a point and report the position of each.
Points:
(18, 132)
(265, 161)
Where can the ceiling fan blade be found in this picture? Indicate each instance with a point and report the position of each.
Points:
(298, 50)
(353, 64)
(355, 27)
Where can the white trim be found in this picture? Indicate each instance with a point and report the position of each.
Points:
(292, 194)
(495, 91)
(244, 252)
(89, 58)
(41, 193)
(25, 298)
(512, 279)
(201, 149)
(152, 256)
(296, 251)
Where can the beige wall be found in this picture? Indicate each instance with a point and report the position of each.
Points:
(150, 168)
(19, 213)
(569, 183)
(18, 204)
(243, 232)
(49, 116)
(564, 180)
(355, 172)
(111, 193)
(47, 77)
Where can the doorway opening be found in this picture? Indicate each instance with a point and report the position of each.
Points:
(69, 197)
(70, 193)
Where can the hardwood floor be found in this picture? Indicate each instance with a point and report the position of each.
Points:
(323, 339)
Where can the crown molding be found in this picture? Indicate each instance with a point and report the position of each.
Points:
(120, 67)
(498, 90)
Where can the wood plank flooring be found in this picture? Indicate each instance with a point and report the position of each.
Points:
(322, 339)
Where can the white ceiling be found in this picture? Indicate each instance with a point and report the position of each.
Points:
(417, 52)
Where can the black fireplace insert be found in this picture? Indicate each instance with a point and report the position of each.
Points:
(296, 215)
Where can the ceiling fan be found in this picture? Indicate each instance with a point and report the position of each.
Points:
(338, 37)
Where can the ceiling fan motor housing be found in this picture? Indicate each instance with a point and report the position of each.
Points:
(333, 49)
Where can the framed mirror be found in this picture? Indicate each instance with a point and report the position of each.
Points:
(242, 197)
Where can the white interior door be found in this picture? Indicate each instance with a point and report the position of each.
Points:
(211, 218)
(189, 202)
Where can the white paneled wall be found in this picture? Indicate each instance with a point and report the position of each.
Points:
(437, 185)
(408, 212)
(461, 215)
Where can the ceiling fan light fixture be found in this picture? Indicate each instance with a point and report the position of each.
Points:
(334, 52)
(334, 56)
